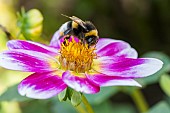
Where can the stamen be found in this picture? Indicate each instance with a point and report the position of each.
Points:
(76, 56)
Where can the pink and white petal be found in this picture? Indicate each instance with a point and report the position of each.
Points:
(104, 42)
(127, 67)
(80, 83)
(129, 53)
(105, 80)
(55, 41)
(110, 47)
(33, 46)
(41, 85)
(29, 61)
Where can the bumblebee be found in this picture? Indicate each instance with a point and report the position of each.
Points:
(84, 30)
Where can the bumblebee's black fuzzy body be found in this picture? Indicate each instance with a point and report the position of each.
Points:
(85, 31)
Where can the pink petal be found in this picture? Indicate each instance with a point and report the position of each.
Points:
(105, 80)
(127, 67)
(116, 48)
(33, 46)
(25, 60)
(41, 85)
(80, 83)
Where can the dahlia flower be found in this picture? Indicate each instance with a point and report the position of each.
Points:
(75, 65)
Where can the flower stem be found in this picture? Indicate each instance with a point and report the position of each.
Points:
(87, 105)
(140, 101)
(80, 109)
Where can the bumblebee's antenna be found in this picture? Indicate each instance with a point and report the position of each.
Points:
(77, 20)
(72, 18)
(66, 16)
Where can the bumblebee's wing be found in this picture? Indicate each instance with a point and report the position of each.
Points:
(79, 21)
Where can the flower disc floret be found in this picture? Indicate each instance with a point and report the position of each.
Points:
(76, 56)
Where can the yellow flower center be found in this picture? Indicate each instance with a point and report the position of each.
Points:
(76, 56)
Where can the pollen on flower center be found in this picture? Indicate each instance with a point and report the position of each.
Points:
(76, 56)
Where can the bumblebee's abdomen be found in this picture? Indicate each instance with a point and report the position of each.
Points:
(65, 26)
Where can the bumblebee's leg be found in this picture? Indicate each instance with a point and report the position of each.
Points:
(81, 37)
(66, 38)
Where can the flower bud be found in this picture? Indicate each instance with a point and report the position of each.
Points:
(30, 23)
(34, 18)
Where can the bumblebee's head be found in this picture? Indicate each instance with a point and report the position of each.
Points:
(91, 40)
(91, 34)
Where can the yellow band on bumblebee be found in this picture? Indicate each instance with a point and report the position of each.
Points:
(92, 33)
(74, 25)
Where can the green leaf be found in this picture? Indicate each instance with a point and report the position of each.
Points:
(103, 95)
(63, 95)
(155, 77)
(165, 84)
(11, 94)
(76, 98)
(161, 107)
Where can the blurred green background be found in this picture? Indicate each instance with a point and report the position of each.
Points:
(145, 24)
